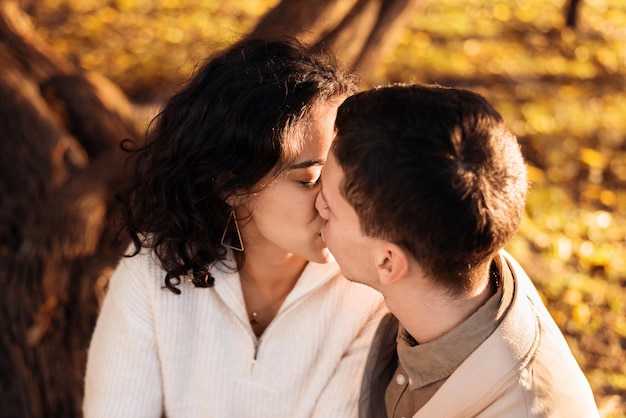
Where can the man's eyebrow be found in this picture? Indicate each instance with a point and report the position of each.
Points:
(305, 164)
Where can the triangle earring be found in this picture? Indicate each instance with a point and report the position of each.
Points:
(233, 244)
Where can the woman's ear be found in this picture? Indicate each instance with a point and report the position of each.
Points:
(232, 199)
(392, 263)
(235, 200)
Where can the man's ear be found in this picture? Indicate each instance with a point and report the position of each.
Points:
(392, 263)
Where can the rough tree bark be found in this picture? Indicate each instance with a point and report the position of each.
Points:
(361, 32)
(60, 165)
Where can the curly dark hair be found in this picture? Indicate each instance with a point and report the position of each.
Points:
(231, 126)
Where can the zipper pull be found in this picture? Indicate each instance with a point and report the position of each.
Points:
(256, 350)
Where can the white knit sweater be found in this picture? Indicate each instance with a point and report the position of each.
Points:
(195, 355)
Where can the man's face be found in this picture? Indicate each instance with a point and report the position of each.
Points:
(342, 231)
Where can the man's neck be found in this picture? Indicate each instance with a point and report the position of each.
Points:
(428, 312)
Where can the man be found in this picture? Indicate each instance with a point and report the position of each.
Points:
(423, 187)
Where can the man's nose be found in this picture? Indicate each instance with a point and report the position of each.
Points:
(321, 206)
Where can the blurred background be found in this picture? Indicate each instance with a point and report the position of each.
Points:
(79, 75)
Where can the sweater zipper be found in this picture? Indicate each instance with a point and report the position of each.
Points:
(257, 342)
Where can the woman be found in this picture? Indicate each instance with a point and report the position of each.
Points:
(231, 305)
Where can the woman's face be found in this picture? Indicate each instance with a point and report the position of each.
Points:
(281, 220)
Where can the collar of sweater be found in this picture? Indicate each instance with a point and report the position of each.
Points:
(228, 286)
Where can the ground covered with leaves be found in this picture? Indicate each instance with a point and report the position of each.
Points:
(560, 90)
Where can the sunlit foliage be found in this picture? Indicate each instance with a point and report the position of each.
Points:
(561, 90)
(144, 43)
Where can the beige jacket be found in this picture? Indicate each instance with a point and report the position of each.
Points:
(524, 369)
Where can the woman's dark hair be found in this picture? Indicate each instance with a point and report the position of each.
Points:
(434, 170)
(233, 125)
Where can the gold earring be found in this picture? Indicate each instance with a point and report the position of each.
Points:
(238, 245)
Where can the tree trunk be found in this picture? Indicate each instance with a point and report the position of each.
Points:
(305, 20)
(60, 165)
(571, 13)
(362, 33)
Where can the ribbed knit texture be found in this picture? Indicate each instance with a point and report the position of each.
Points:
(193, 354)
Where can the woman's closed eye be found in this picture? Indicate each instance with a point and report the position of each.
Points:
(311, 184)
(308, 176)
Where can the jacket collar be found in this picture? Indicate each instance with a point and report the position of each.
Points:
(508, 350)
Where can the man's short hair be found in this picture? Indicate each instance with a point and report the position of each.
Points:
(434, 170)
